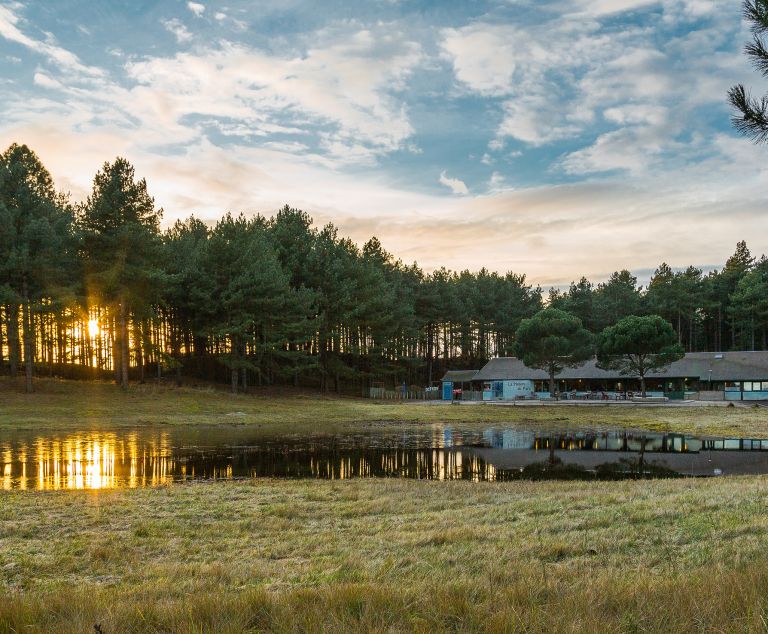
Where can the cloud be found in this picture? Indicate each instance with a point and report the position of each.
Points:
(346, 86)
(533, 68)
(629, 107)
(575, 74)
(600, 8)
(497, 183)
(177, 28)
(60, 57)
(41, 79)
(196, 8)
(533, 120)
(456, 186)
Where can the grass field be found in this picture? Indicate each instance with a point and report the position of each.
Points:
(651, 556)
(63, 405)
(378, 555)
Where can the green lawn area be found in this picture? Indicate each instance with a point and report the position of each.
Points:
(63, 405)
(378, 555)
(389, 555)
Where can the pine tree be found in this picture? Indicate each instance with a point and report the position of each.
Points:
(615, 299)
(36, 225)
(120, 234)
(752, 113)
(749, 305)
(552, 340)
(187, 290)
(636, 346)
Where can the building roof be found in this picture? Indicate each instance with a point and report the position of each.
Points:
(460, 376)
(724, 366)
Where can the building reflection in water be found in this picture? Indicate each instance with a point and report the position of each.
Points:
(94, 460)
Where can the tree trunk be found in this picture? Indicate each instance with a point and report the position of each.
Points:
(552, 383)
(177, 356)
(719, 336)
(235, 351)
(244, 372)
(138, 337)
(27, 331)
(13, 339)
(642, 384)
(116, 345)
(29, 358)
(641, 458)
(123, 344)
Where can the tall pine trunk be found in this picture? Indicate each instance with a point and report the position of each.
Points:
(123, 344)
(176, 353)
(13, 339)
(138, 337)
(116, 345)
(26, 319)
(235, 371)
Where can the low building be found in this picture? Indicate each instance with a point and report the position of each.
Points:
(703, 375)
(456, 383)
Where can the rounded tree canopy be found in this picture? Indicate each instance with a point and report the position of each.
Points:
(649, 334)
(553, 338)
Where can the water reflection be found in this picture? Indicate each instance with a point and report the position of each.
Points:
(108, 460)
(87, 461)
(93, 460)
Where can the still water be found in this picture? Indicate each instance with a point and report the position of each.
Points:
(147, 457)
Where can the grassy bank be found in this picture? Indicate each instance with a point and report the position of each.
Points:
(64, 405)
(659, 556)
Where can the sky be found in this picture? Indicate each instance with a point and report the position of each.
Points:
(555, 138)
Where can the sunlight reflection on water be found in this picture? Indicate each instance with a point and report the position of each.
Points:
(151, 457)
(94, 460)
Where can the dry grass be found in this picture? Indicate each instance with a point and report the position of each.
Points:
(384, 555)
(67, 405)
(393, 555)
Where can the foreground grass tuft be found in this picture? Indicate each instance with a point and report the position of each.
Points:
(286, 556)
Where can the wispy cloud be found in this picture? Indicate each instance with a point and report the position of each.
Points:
(178, 29)
(456, 185)
(346, 86)
(49, 49)
(560, 139)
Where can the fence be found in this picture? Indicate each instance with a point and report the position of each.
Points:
(421, 394)
(409, 394)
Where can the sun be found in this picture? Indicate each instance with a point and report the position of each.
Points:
(93, 328)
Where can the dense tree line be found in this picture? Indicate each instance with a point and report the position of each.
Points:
(98, 288)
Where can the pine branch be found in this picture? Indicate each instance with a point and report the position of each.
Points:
(753, 121)
(756, 12)
(759, 54)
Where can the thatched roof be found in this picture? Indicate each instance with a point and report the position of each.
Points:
(460, 376)
(725, 366)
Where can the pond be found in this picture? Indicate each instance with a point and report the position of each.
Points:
(150, 457)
